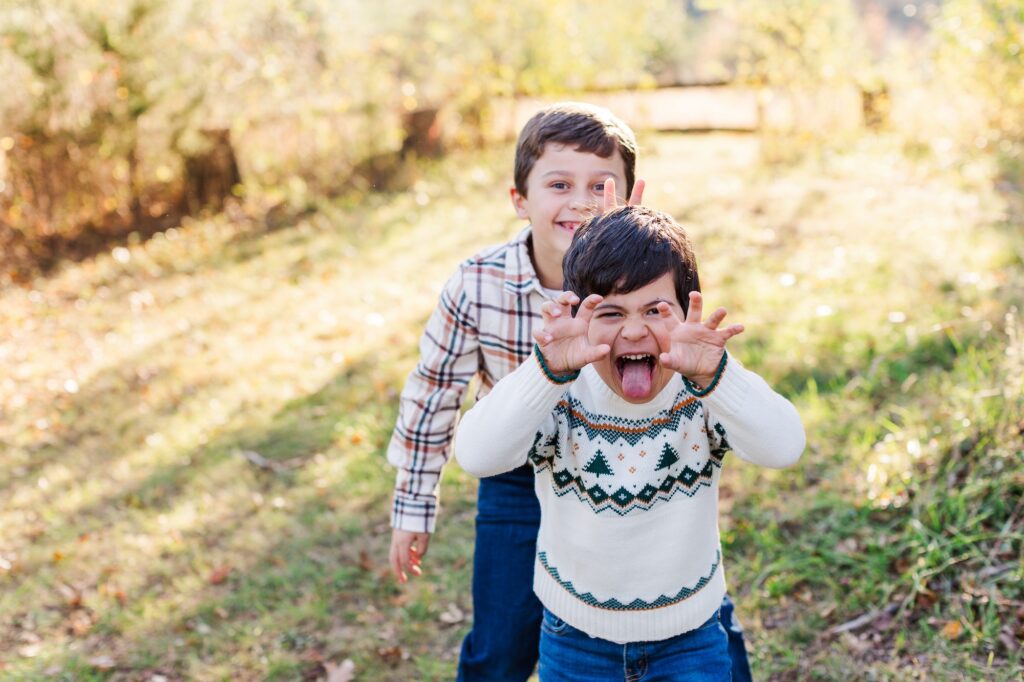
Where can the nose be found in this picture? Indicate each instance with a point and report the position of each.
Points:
(634, 329)
(582, 201)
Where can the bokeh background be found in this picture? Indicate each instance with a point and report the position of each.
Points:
(223, 226)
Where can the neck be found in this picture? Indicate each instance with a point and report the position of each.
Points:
(548, 268)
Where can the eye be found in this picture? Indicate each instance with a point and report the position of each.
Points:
(599, 187)
(611, 314)
(653, 311)
(560, 185)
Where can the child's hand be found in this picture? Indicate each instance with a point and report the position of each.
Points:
(563, 338)
(407, 551)
(696, 348)
(611, 202)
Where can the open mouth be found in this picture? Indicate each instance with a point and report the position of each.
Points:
(636, 372)
(570, 225)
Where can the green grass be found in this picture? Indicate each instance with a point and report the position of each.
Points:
(881, 293)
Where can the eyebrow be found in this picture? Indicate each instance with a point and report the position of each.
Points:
(603, 306)
(602, 173)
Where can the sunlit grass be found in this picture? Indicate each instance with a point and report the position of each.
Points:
(193, 427)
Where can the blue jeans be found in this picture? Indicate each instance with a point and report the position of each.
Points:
(569, 655)
(502, 646)
(503, 643)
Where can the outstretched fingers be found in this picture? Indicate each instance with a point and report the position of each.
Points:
(556, 314)
(542, 337)
(715, 319)
(668, 316)
(567, 298)
(696, 307)
(586, 309)
(732, 330)
(560, 306)
(611, 202)
(636, 197)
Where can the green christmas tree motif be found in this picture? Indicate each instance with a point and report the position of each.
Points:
(598, 465)
(668, 458)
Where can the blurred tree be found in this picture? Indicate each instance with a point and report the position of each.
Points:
(474, 55)
(794, 43)
(115, 109)
(982, 48)
(809, 59)
(88, 72)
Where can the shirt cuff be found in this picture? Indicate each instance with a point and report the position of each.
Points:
(414, 513)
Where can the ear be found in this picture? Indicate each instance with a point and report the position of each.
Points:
(519, 203)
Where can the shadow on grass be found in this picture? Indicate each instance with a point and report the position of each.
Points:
(307, 580)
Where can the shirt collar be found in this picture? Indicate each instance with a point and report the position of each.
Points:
(520, 275)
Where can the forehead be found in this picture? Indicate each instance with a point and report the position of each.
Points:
(661, 289)
(558, 157)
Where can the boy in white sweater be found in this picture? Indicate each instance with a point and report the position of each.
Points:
(626, 410)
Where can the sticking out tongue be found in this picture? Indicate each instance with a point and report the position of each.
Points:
(636, 378)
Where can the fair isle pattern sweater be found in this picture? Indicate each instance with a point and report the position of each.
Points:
(628, 548)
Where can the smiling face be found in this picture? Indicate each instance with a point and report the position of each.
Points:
(631, 325)
(563, 188)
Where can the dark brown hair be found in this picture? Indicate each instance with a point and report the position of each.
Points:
(590, 129)
(626, 249)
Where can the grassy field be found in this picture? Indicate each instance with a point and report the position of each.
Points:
(192, 428)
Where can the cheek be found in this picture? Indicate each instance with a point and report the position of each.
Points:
(601, 332)
(554, 206)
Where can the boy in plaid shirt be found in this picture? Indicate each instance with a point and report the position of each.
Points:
(483, 326)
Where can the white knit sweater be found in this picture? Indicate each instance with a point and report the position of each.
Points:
(628, 548)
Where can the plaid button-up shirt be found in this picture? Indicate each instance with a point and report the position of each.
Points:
(482, 326)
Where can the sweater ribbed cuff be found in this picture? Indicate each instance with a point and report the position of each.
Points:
(702, 392)
(552, 377)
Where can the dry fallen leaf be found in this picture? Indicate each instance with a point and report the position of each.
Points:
(391, 655)
(219, 574)
(80, 622)
(72, 595)
(952, 630)
(340, 673)
(926, 599)
(901, 565)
